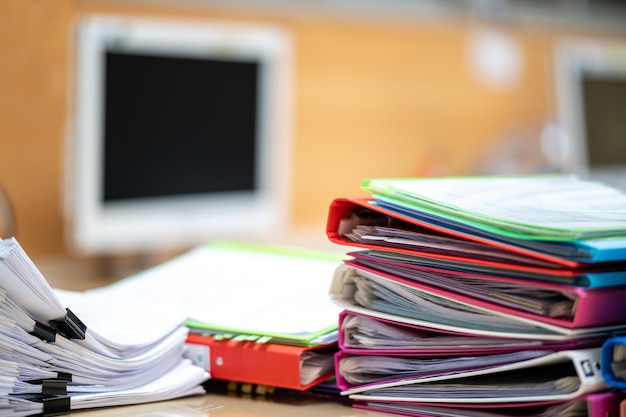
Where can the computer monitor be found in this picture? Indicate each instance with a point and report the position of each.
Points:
(179, 133)
(591, 105)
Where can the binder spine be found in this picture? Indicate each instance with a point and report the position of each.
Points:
(587, 363)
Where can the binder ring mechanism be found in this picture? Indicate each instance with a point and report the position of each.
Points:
(362, 217)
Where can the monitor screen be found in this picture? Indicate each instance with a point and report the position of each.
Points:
(196, 115)
(604, 104)
(591, 105)
(179, 134)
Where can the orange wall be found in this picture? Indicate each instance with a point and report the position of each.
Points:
(371, 98)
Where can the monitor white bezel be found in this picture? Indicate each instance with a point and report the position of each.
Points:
(575, 59)
(157, 223)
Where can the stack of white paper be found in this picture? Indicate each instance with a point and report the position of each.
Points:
(54, 359)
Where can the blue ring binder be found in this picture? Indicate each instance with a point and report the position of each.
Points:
(607, 359)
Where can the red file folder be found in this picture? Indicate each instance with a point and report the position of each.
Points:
(270, 364)
(522, 259)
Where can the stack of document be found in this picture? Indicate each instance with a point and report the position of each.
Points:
(256, 313)
(102, 352)
(229, 311)
(471, 295)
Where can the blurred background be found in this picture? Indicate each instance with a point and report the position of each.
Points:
(380, 88)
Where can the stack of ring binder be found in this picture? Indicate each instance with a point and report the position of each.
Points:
(470, 295)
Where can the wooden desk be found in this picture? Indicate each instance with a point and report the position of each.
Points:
(218, 405)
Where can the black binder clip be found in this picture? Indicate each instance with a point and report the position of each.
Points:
(64, 376)
(45, 333)
(56, 405)
(70, 326)
(53, 387)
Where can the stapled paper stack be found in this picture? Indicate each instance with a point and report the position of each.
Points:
(479, 294)
(53, 362)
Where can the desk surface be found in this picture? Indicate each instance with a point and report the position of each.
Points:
(223, 405)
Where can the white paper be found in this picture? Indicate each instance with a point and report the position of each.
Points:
(257, 292)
